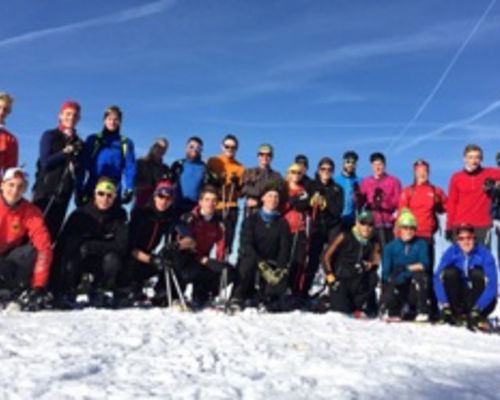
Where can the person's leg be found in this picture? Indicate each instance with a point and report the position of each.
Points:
(340, 299)
(296, 273)
(16, 269)
(394, 297)
(455, 290)
(418, 296)
(245, 284)
(364, 292)
(316, 246)
(230, 228)
(476, 289)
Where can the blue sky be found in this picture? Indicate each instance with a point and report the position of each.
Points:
(413, 79)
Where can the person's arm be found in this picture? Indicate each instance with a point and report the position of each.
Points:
(220, 244)
(330, 251)
(40, 239)
(423, 263)
(285, 244)
(396, 194)
(13, 153)
(442, 201)
(387, 263)
(490, 271)
(48, 159)
(404, 200)
(130, 167)
(452, 203)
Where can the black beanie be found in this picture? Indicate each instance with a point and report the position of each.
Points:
(326, 160)
(377, 157)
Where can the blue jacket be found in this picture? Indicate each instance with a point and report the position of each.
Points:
(113, 157)
(480, 257)
(190, 177)
(398, 255)
(348, 183)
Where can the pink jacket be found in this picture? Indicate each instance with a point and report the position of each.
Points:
(390, 186)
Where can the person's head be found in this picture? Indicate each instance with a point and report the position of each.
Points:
(69, 114)
(377, 161)
(163, 195)
(473, 155)
(158, 150)
(14, 185)
(208, 200)
(302, 160)
(270, 197)
(421, 169)
(113, 118)
(105, 193)
(407, 225)
(194, 148)
(295, 173)
(364, 224)
(465, 236)
(265, 154)
(326, 168)
(6, 101)
(229, 146)
(350, 160)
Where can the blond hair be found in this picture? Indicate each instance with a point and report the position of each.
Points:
(9, 100)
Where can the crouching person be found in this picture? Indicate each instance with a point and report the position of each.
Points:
(25, 247)
(405, 273)
(351, 263)
(94, 241)
(465, 281)
(264, 253)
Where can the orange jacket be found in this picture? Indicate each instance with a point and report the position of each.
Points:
(225, 168)
(25, 221)
(8, 149)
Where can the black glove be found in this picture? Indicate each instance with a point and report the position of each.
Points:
(474, 319)
(34, 299)
(156, 261)
(127, 196)
(447, 316)
(90, 248)
(449, 235)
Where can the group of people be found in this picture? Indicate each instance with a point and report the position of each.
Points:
(367, 233)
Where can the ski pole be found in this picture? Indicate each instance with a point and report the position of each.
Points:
(178, 289)
(168, 287)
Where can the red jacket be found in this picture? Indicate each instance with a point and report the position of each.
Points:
(8, 150)
(206, 234)
(425, 202)
(467, 201)
(25, 221)
(295, 209)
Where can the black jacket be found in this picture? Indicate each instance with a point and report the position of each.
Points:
(265, 240)
(53, 163)
(330, 217)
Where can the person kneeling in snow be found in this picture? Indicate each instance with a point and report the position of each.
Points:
(351, 263)
(25, 247)
(405, 272)
(465, 281)
(94, 240)
(264, 247)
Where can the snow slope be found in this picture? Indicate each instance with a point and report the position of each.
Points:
(141, 354)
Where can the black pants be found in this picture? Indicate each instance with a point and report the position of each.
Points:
(413, 292)
(298, 256)
(384, 235)
(354, 294)
(103, 267)
(433, 305)
(498, 245)
(230, 221)
(16, 270)
(54, 215)
(316, 246)
(461, 296)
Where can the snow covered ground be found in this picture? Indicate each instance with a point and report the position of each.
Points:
(141, 354)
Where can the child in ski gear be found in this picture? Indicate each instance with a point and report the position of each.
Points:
(382, 192)
(228, 173)
(349, 181)
(466, 280)
(351, 263)
(327, 202)
(25, 247)
(8, 143)
(468, 198)
(94, 240)
(265, 242)
(255, 179)
(150, 170)
(110, 154)
(405, 273)
(59, 168)
(295, 210)
(190, 175)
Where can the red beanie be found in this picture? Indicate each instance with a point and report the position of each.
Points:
(70, 104)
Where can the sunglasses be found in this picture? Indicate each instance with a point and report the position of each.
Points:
(411, 228)
(351, 162)
(230, 147)
(464, 238)
(295, 172)
(366, 223)
(324, 169)
(164, 196)
(198, 149)
(108, 195)
(265, 155)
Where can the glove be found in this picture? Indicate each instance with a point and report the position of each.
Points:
(127, 196)
(318, 201)
(156, 261)
(90, 248)
(448, 235)
(474, 319)
(447, 316)
(272, 276)
(34, 299)
(330, 278)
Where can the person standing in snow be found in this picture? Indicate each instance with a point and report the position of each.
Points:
(351, 262)
(264, 247)
(94, 240)
(255, 179)
(466, 281)
(382, 192)
(405, 272)
(110, 154)
(326, 202)
(295, 209)
(469, 196)
(349, 181)
(9, 149)
(149, 171)
(228, 173)
(190, 175)
(59, 168)
(25, 246)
